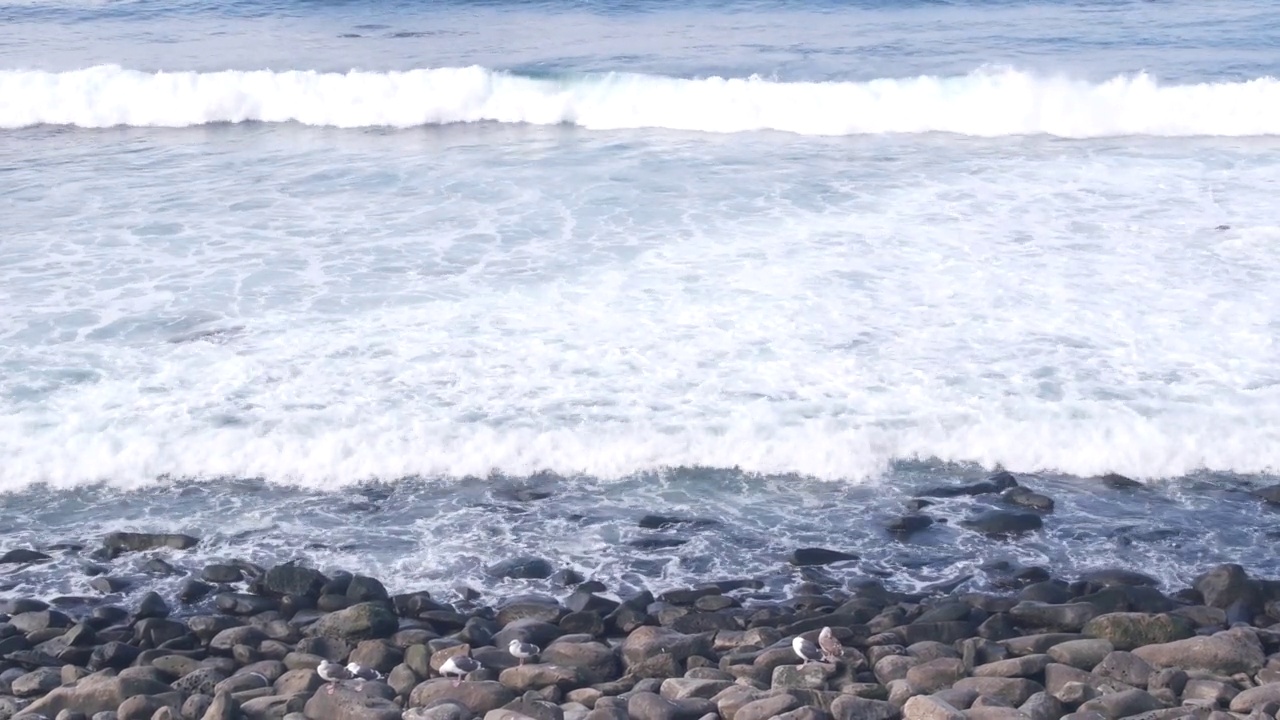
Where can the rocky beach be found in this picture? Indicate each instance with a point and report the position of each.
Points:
(240, 641)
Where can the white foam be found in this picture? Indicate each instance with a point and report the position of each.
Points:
(985, 103)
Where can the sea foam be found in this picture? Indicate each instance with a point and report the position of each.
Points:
(986, 103)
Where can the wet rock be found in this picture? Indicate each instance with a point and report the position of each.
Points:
(1224, 653)
(136, 542)
(994, 484)
(364, 621)
(942, 632)
(244, 604)
(1023, 497)
(32, 622)
(366, 589)
(22, 555)
(1117, 576)
(193, 590)
(151, 606)
(1227, 585)
(819, 556)
(108, 585)
(217, 573)
(160, 566)
(1003, 522)
(524, 567)
(291, 579)
(662, 522)
(113, 654)
(1117, 481)
(908, 524)
(1127, 631)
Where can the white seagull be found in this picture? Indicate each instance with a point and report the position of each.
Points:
(459, 665)
(832, 650)
(807, 651)
(523, 650)
(332, 672)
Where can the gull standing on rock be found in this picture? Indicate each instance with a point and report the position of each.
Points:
(459, 665)
(364, 673)
(523, 650)
(332, 672)
(832, 650)
(807, 651)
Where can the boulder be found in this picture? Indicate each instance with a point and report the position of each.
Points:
(1126, 630)
(647, 641)
(290, 579)
(522, 678)
(819, 556)
(93, 694)
(478, 696)
(528, 568)
(135, 542)
(1223, 653)
(1084, 654)
(347, 703)
(1066, 617)
(924, 707)
(596, 661)
(363, 621)
(1003, 522)
(1013, 691)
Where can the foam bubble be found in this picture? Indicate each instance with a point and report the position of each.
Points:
(986, 103)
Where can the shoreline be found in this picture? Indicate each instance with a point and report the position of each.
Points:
(1105, 644)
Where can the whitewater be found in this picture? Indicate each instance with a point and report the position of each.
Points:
(409, 289)
(986, 103)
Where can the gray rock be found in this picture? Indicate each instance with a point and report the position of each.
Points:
(135, 542)
(1083, 654)
(93, 694)
(819, 556)
(359, 622)
(1224, 653)
(1127, 631)
(1042, 706)
(530, 568)
(850, 707)
(446, 711)
(1122, 704)
(142, 707)
(36, 682)
(1255, 698)
(478, 696)
(291, 579)
(647, 641)
(1066, 617)
(1226, 585)
(682, 688)
(196, 706)
(224, 643)
(347, 703)
(522, 678)
(1003, 522)
(935, 675)
(924, 707)
(1124, 667)
(1013, 691)
(1036, 644)
(1026, 498)
(762, 709)
(223, 707)
(23, 555)
(1215, 692)
(1025, 666)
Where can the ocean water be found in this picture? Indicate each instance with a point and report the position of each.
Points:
(407, 288)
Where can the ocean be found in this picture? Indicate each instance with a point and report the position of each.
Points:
(407, 288)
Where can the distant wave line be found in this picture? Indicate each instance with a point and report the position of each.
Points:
(985, 103)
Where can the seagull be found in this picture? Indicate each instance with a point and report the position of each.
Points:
(832, 650)
(523, 650)
(807, 651)
(362, 672)
(460, 665)
(332, 672)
